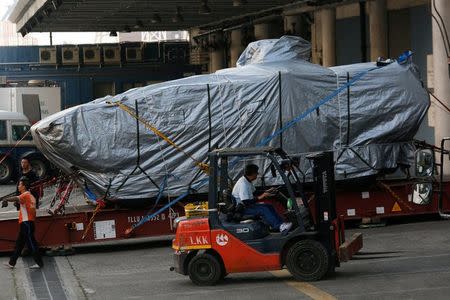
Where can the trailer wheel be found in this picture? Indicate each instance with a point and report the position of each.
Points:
(204, 269)
(307, 260)
(6, 172)
(39, 167)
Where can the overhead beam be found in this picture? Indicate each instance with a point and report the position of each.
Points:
(107, 15)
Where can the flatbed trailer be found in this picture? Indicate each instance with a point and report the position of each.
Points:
(108, 225)
(382, 201)
(425, 192)
(111, 224)
(388, 199)
(79, 225)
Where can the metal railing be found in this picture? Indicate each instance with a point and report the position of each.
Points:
(441, 179)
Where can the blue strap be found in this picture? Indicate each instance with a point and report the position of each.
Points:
(303, 115)
(162, 187)
(403, 58)
(264, 141)
(89, 194)
(199, 185)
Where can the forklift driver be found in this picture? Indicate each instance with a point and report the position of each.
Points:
(243, 192)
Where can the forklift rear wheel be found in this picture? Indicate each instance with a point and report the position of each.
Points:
(205, 269)
(307, 260)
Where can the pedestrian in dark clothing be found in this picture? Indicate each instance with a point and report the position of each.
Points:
(27, 172)
(27, 217)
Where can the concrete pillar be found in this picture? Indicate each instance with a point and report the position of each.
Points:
(296, 25)
(236, 46)
(293, 25)
(378, 29)
(262, 31)
(316, 39)
(195, 52)
(216, 55)
(441, 75)
(192, 33)
(328, 20)
(198, 54)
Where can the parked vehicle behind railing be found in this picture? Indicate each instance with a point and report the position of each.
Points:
(16, 143)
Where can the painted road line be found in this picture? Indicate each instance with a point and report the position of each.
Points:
(47, 286)
(303, 287)
(70, 281)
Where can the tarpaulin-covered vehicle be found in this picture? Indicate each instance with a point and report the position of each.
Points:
(151, 140)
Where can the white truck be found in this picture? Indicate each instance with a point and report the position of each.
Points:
(34, 102)
(21, 107)
(14, 127)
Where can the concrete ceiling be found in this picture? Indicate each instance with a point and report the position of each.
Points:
(142, 15)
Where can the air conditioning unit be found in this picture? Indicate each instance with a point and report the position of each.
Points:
(134, 54)
(111, 55)
(47, 55)
(91, 55)
(175, 53)
(70, 56)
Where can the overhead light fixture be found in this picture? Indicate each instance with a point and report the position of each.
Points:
(138, 24)
(204, 8)
(155, 19)
(239, 2)
(39, 18)
(48, 11)
(56, 3)
(178, 18)
(113, 33)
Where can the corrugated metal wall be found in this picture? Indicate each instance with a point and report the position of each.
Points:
(19, 54)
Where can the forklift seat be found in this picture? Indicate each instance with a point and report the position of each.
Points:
(232, 215)
(232, 210)
(245, 230)
(244, 227)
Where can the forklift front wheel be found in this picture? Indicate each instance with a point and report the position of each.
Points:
(307, 260)
(205, 269)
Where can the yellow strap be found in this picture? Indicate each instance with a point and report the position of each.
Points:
(395, 196)
(96, 210)
(202, 166)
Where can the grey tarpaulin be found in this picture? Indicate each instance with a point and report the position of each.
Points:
(369, 126)
(284, 48)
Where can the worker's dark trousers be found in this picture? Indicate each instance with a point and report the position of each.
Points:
(267, 212)
(26, 236)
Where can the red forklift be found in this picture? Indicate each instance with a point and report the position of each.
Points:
(209, 247)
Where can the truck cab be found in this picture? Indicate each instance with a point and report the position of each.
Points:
(16, 143)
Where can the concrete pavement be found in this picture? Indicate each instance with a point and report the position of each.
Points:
(406, 261)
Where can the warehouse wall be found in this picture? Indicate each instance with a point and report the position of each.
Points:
(348, 41)
(408, 29)
(80, 84)
(421, 37)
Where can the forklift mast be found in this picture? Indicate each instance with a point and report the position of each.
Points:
(324, 190)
